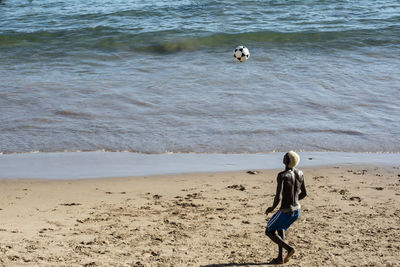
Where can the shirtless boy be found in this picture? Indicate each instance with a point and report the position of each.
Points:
(290, 189)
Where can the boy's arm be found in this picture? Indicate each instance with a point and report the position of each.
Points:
(303, 191)
(278, 195)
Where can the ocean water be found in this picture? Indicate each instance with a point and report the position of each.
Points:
(159, 76)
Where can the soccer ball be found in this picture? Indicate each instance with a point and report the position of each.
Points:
(241, 53)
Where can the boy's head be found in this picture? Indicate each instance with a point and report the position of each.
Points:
(291, 159)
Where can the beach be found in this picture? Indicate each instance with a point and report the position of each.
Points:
(349, 218)
(130, 136)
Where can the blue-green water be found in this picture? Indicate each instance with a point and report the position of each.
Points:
(159, 76)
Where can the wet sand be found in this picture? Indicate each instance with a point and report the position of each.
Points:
(350, 217)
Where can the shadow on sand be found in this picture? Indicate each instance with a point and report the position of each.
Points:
(241, 264)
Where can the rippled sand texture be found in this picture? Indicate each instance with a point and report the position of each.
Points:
(351, 217)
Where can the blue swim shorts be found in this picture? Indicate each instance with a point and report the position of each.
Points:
(281, 220)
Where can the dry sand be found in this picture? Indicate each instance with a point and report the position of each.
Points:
(350, 218)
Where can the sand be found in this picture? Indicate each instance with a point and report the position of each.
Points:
(351, 217)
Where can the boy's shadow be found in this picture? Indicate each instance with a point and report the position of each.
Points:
(241, 264)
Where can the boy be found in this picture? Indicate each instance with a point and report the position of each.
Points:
(290, 189)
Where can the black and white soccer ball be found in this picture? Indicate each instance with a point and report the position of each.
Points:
(241, 53)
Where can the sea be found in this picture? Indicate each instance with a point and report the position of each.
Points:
(158, 77)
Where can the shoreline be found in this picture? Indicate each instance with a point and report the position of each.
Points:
(87, 165)
(350, 217)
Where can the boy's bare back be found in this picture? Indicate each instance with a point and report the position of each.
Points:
(292, 188)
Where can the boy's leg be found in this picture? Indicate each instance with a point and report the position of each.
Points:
(277, 239)
(280, 220)
(281, 233)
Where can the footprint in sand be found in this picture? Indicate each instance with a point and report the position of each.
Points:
(43, 230)
(358, 199)
(343, 191)
(237, 187)
(71, 204)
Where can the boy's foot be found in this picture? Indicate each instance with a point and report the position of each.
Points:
(289, 255)
(277, 261)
